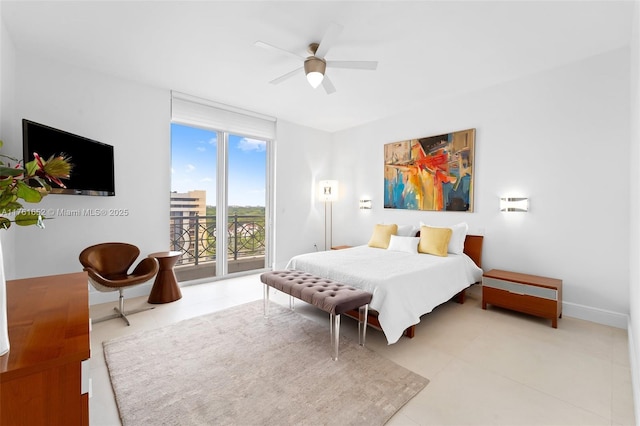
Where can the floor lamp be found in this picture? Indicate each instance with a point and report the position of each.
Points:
(328, 194)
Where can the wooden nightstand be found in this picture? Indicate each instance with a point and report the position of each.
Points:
(531, 294)
(340, 247)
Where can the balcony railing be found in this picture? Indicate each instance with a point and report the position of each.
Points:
(196, 236)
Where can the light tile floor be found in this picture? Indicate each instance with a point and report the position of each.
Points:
(492, 367)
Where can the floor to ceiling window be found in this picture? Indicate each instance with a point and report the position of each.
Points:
(220, 205)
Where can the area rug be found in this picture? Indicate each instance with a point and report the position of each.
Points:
(234, 367)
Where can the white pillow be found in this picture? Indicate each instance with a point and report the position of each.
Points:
(406, 231)
(458, 235)
(405, 244)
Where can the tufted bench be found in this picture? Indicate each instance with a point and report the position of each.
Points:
(328, 295)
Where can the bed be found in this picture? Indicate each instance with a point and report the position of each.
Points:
(404, 286)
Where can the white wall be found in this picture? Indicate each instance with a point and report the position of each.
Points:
(7, 81)
(131, 117)
(302, 159)
(7, 111)
(634, 234)
(135, 119)
(561, 138)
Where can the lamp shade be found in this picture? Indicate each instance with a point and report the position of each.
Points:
(328, 190)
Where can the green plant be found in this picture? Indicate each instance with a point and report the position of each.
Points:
(29, 183)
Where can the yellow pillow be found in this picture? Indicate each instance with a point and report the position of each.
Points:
(381, 235)
(434, 240)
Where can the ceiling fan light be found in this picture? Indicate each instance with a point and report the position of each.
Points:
(315, 78)
(314, 68)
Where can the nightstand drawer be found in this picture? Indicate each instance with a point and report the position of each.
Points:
(520, 289)
(537, 306)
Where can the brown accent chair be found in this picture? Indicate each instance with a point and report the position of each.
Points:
(108, 264)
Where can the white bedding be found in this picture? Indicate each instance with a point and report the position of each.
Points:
(404, 286)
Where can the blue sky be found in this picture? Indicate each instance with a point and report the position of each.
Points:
(193, 165)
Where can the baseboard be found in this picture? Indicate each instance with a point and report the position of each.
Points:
(600, 316)
(633, 365)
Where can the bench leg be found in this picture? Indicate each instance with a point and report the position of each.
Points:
(335, 335)
(291, 302)
(265, 300)
(363, 313)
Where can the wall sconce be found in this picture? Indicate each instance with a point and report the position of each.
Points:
(514, 204)
(365, 204)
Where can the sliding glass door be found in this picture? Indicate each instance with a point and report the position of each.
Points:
(246, 203)
(219, 205)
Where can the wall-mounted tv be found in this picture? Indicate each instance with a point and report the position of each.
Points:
(92, 161)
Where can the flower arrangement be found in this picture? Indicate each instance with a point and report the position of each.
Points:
(29, 183)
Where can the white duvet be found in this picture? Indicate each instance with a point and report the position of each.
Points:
(404, 286)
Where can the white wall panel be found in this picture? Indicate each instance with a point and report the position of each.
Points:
(561, 138)
(135, 119)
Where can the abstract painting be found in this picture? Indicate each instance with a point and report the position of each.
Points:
(434, 173)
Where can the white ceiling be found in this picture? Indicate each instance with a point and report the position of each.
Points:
(425, 49)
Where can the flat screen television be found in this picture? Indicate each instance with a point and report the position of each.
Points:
(92, 172)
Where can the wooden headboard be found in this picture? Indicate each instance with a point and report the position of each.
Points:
(473, 248)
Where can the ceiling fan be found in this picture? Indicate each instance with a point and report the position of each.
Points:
(315, 64)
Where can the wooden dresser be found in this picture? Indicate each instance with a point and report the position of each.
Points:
(531, 294)
(44, 377)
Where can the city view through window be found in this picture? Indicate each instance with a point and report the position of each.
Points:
(194, 223)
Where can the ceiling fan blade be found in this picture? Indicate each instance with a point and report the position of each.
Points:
(278, 50)
(328, 85)
(356, 65)
(286, 76)
(330, 37)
